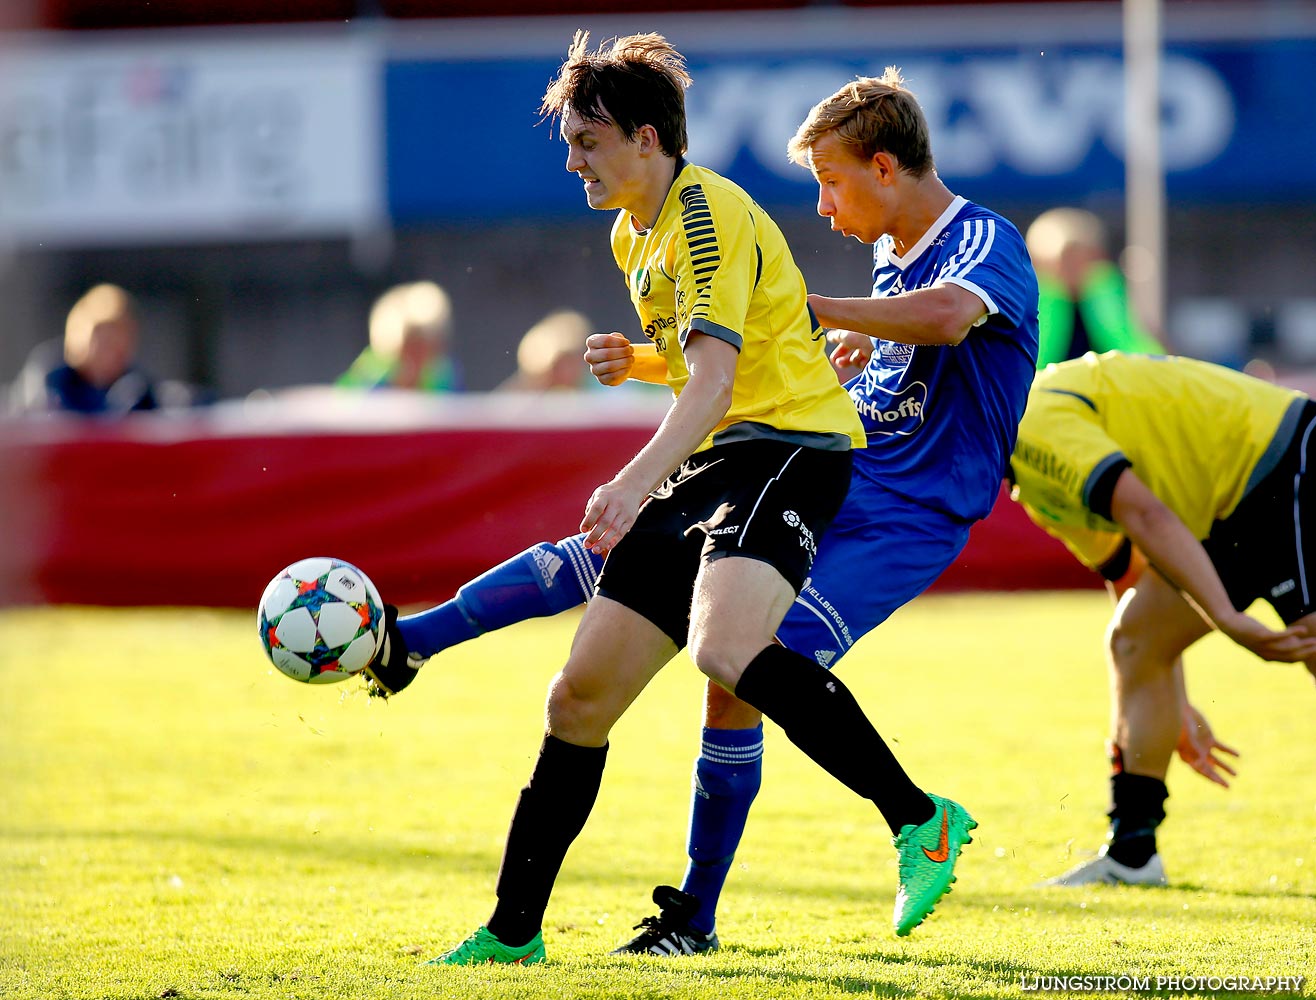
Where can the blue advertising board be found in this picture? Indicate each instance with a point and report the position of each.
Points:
(464, 139)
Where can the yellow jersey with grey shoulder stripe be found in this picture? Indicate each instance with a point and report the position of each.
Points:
(715, 263)
(1198, 435)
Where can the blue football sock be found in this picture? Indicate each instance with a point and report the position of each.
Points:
(726, 779)
(543, 580)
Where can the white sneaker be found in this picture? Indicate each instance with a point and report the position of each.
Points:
(1105, 870)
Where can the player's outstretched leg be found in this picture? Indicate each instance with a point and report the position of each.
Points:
(928, 853)
(543, 580)
(394, 667)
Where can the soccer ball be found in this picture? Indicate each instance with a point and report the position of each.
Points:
(321, 620)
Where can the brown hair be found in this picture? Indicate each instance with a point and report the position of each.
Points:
(635, 81)
(870, 115)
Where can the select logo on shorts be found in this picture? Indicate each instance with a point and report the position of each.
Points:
(807, 540)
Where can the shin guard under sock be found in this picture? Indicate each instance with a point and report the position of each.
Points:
(821, 717)
(549, 815)
(543, 580)
(727, 776)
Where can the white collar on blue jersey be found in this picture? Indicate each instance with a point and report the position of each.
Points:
(932, 232)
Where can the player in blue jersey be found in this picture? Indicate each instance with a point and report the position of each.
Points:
(946, 348)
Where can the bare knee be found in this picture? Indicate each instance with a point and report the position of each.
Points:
(573, 715)
(717, 658)
(1134, 657)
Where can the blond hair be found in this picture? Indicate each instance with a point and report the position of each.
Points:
(1057, 229)
(870, 115)
(557, 335)
(104, 303)
(418, 307)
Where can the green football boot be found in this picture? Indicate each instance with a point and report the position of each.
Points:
(927, 861)
(483, 948)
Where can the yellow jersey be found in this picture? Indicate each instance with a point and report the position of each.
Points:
(715, 263)
(1200, 436)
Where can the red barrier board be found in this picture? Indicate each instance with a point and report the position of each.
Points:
(204, 511)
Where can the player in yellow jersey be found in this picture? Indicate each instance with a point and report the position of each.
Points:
(715, 263)
(1185, 484)
(712, 528)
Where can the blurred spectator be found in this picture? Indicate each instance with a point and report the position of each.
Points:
(410, 340)
(1082, 302)
(551, 355)
(96, 373)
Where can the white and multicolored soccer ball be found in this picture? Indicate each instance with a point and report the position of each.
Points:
(321, 620)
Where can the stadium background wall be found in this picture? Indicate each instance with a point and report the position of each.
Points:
(408, 149)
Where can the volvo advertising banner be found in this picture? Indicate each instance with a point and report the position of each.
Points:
(212, 135)
(1044, 124)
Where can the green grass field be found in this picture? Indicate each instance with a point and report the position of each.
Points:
(179, 820)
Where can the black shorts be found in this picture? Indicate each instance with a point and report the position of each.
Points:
(762, 499)
(1267, 547)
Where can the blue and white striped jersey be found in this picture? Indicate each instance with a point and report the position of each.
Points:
(941, 421)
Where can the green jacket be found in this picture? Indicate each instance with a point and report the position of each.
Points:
(371, 371)
(1106, 315)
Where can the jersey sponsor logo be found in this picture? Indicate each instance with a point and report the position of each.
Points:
(654, 328)
(1048, 464)
(893, 355)
(815, 602)
(807, 541)
(891, 414)
(1279, 590)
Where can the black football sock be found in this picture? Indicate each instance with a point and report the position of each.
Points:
(549, 815)
(1137, 806)
(821, 717)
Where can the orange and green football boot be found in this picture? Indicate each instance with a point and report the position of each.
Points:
(927, 861)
